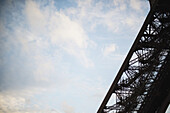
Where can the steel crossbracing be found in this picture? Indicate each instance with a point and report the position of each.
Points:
(143, 82)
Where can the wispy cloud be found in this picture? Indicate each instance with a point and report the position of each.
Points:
(137, 4)
(34, 48)
(50, 57)
(111, 14)
(60, 30)
(21, 102)
(33, 52)
(67, 108)
(109, 49)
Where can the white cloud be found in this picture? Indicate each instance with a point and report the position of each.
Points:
(10, 103)
(121, 4)
(45, 68)
(71, 37)
(35, 17)
(111, 14)
(67, 32)
(36, 54)
(109, 49)
(34, 62)
(137, 4)
(132, 21)
(60, 30)
(67, 108)
(33, 58)
(21, 102)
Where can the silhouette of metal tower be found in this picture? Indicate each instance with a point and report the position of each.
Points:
(142, 84)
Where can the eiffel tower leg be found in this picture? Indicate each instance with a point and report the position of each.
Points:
(145, 72)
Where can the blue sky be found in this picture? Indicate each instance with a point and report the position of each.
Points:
(60, 56)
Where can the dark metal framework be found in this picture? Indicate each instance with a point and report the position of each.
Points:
(143, 82)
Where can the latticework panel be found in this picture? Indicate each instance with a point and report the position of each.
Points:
(146, 67)
(142, 83)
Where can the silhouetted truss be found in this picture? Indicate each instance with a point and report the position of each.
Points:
(144, 84)
(146, 68)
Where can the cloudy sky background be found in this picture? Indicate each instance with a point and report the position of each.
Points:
(61, 56)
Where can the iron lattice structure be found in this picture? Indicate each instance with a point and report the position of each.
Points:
(142, 84)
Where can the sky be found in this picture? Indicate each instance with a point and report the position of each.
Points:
(61, 56)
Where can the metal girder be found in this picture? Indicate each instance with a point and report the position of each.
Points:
(142, 83)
